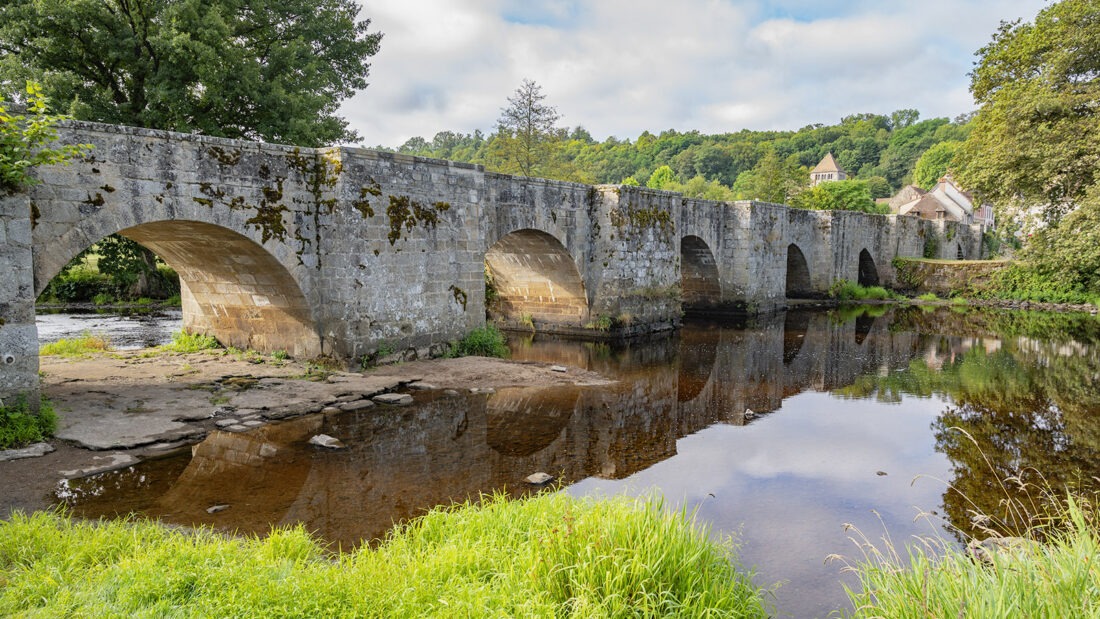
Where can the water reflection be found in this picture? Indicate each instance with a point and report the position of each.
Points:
(790, 425)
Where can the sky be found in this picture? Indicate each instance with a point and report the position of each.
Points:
(619, 67)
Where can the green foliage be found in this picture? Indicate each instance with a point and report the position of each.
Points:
(1024, 282)
(928, 296)
(82, 346)
(487, 341)
(275, 72)
(547, 556)
(1023, 579)
(184, 342)
(1067, 255)
(847, 195)
(25, 140)
(846, 290)
(931, 246)
(1036, 138)
(19, 426)
(934, 164)
(79, 282)
(662, 178)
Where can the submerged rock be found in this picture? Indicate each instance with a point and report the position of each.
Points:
(213, 509)
(324, 440)
(31, 451)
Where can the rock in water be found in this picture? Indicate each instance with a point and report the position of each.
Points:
(397, 399)
(539, 479)
(558, 368)
(213, 509)
(324, 440)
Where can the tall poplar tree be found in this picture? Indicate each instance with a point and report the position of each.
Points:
(527, 129)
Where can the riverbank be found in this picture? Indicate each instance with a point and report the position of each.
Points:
(116, 409)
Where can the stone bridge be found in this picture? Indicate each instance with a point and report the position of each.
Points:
(344, 251)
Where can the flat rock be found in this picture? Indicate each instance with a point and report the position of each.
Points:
(558, 368)
(330, 410)
(451, 393)
(225, 423)
(236, 428)
(102, 464)
(482, 390)
(354, 405)
(395, 399)
(419, 386)
(539, 479)
(30, 451)
(213, 509)
(197, 415)
(252, 423)
(112, 429)
(324, 440)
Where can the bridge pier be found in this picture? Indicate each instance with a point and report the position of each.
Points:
(18, 334)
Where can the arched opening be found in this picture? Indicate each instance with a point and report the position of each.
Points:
(698, 275)
(698, 352)
(530, 277)
(525, 420)
(232, 288)
(868, 274)
(959, 253)
(864, 323)
(795, 327)
(798, 274)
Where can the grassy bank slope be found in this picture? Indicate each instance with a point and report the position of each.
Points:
(548, 556)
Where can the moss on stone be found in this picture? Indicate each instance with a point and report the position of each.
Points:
(404, 212)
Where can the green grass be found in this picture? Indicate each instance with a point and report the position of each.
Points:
(548, 556)
(20, 427)
(184, 342)
(1056, 578)
(928, 296)
(82, 346)
(845, 290)
(485, 341)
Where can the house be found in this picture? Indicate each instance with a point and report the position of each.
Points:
(944, 201)
(827, 170)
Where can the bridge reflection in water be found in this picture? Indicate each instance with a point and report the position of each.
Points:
(788, 425)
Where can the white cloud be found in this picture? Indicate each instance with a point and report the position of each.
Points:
(621, 67)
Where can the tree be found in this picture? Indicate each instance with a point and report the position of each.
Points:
(934, 163)
(273, 70)
(662, 178)
(526, 128)
(849, 195)
(25, 142)
(1036, 135)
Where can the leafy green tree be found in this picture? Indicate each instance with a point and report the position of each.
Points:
(849, 195)
(934, 163)
(662, 178)
(273, 70)
(526, 129)
(25, 142)
(772, 180)
(1036, 136)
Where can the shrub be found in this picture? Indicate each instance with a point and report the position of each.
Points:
(19, 426)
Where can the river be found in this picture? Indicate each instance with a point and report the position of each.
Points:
(779, 431)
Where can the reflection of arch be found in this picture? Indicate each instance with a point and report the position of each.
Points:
(231, 287)
(868, 273)
(698, 274)
(524, 420)
(798, 273)
(698, 351)
(795, 327)
(864, 323)
(534, 274)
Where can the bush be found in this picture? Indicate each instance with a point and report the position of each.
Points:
(19, 426)
(485, 341)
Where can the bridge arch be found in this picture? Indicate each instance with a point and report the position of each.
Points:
(868, 272)
(699, 279)
(798, 283)
(231, 287)
(534, 276)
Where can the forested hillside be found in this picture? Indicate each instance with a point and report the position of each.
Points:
(881, 150)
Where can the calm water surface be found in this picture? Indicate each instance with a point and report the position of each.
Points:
(779, 432)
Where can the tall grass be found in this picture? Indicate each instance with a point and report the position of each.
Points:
(1056, 578)
(487, 341)
(19, 426)
(846, 290)
(547, 556)
(84, 345)
(184, 342)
